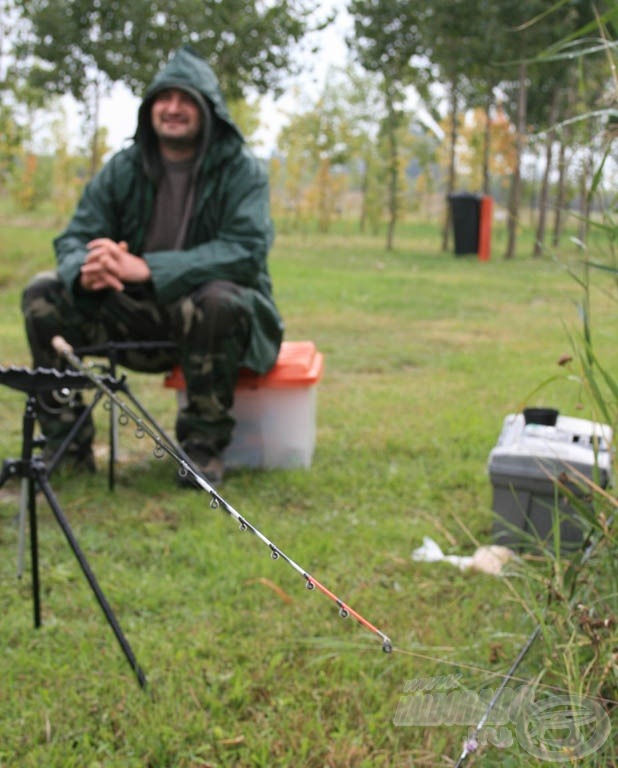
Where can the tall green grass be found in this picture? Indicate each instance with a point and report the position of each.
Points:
(425, 354)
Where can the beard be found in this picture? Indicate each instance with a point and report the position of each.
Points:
(180, 143)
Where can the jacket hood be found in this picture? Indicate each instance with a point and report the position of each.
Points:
(191, 73)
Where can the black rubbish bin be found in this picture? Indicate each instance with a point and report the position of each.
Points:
(466, 218)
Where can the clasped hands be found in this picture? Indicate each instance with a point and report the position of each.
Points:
(110, 265)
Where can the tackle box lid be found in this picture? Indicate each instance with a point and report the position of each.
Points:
(528, 449)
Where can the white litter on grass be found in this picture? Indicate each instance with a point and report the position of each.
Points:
(487, 559)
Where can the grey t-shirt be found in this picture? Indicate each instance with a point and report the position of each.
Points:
(173, 201)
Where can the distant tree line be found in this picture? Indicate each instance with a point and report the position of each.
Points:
(437, 97)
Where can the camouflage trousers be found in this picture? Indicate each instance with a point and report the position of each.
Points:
(210, 328)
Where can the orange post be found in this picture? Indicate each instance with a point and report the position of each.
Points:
(484, 249)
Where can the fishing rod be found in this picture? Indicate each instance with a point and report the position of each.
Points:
(471, 744)
(164, 445)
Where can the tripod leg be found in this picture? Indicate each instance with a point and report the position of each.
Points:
(113, 427)
(90, 577)
(55, 460)
(34, 552)
(23, 514)
(113, 446)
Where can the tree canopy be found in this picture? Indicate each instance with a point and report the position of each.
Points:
(248, 43)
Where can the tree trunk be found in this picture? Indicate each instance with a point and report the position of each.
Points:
(94, 153)
(323, 195)
(585, 195)
(393, 171)
(362, 222)
(515, 191)
(450, 186)
(539, 240)
(487, 141)
(561, 191)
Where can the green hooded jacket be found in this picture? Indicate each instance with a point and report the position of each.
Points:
(229, 232)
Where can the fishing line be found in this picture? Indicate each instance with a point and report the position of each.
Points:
(164, 445)
(488, 673)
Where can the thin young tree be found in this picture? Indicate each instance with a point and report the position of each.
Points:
(387, 36)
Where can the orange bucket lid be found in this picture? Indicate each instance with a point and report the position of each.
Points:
(299, 364)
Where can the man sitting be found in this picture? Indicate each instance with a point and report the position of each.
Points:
(169, 242)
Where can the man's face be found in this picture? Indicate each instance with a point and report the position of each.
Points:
(176, 118)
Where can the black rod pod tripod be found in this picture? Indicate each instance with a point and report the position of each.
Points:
(34, 476)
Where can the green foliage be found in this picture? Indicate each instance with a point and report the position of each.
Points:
(12, 136)
(246, 116)
(319, 146)
(31, 181)
(578, 625)
(246, 42)
(387, 37)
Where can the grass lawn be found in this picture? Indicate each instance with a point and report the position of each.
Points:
(425, 354)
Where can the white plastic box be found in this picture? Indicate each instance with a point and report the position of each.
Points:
(275, 413)
(528, 467)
